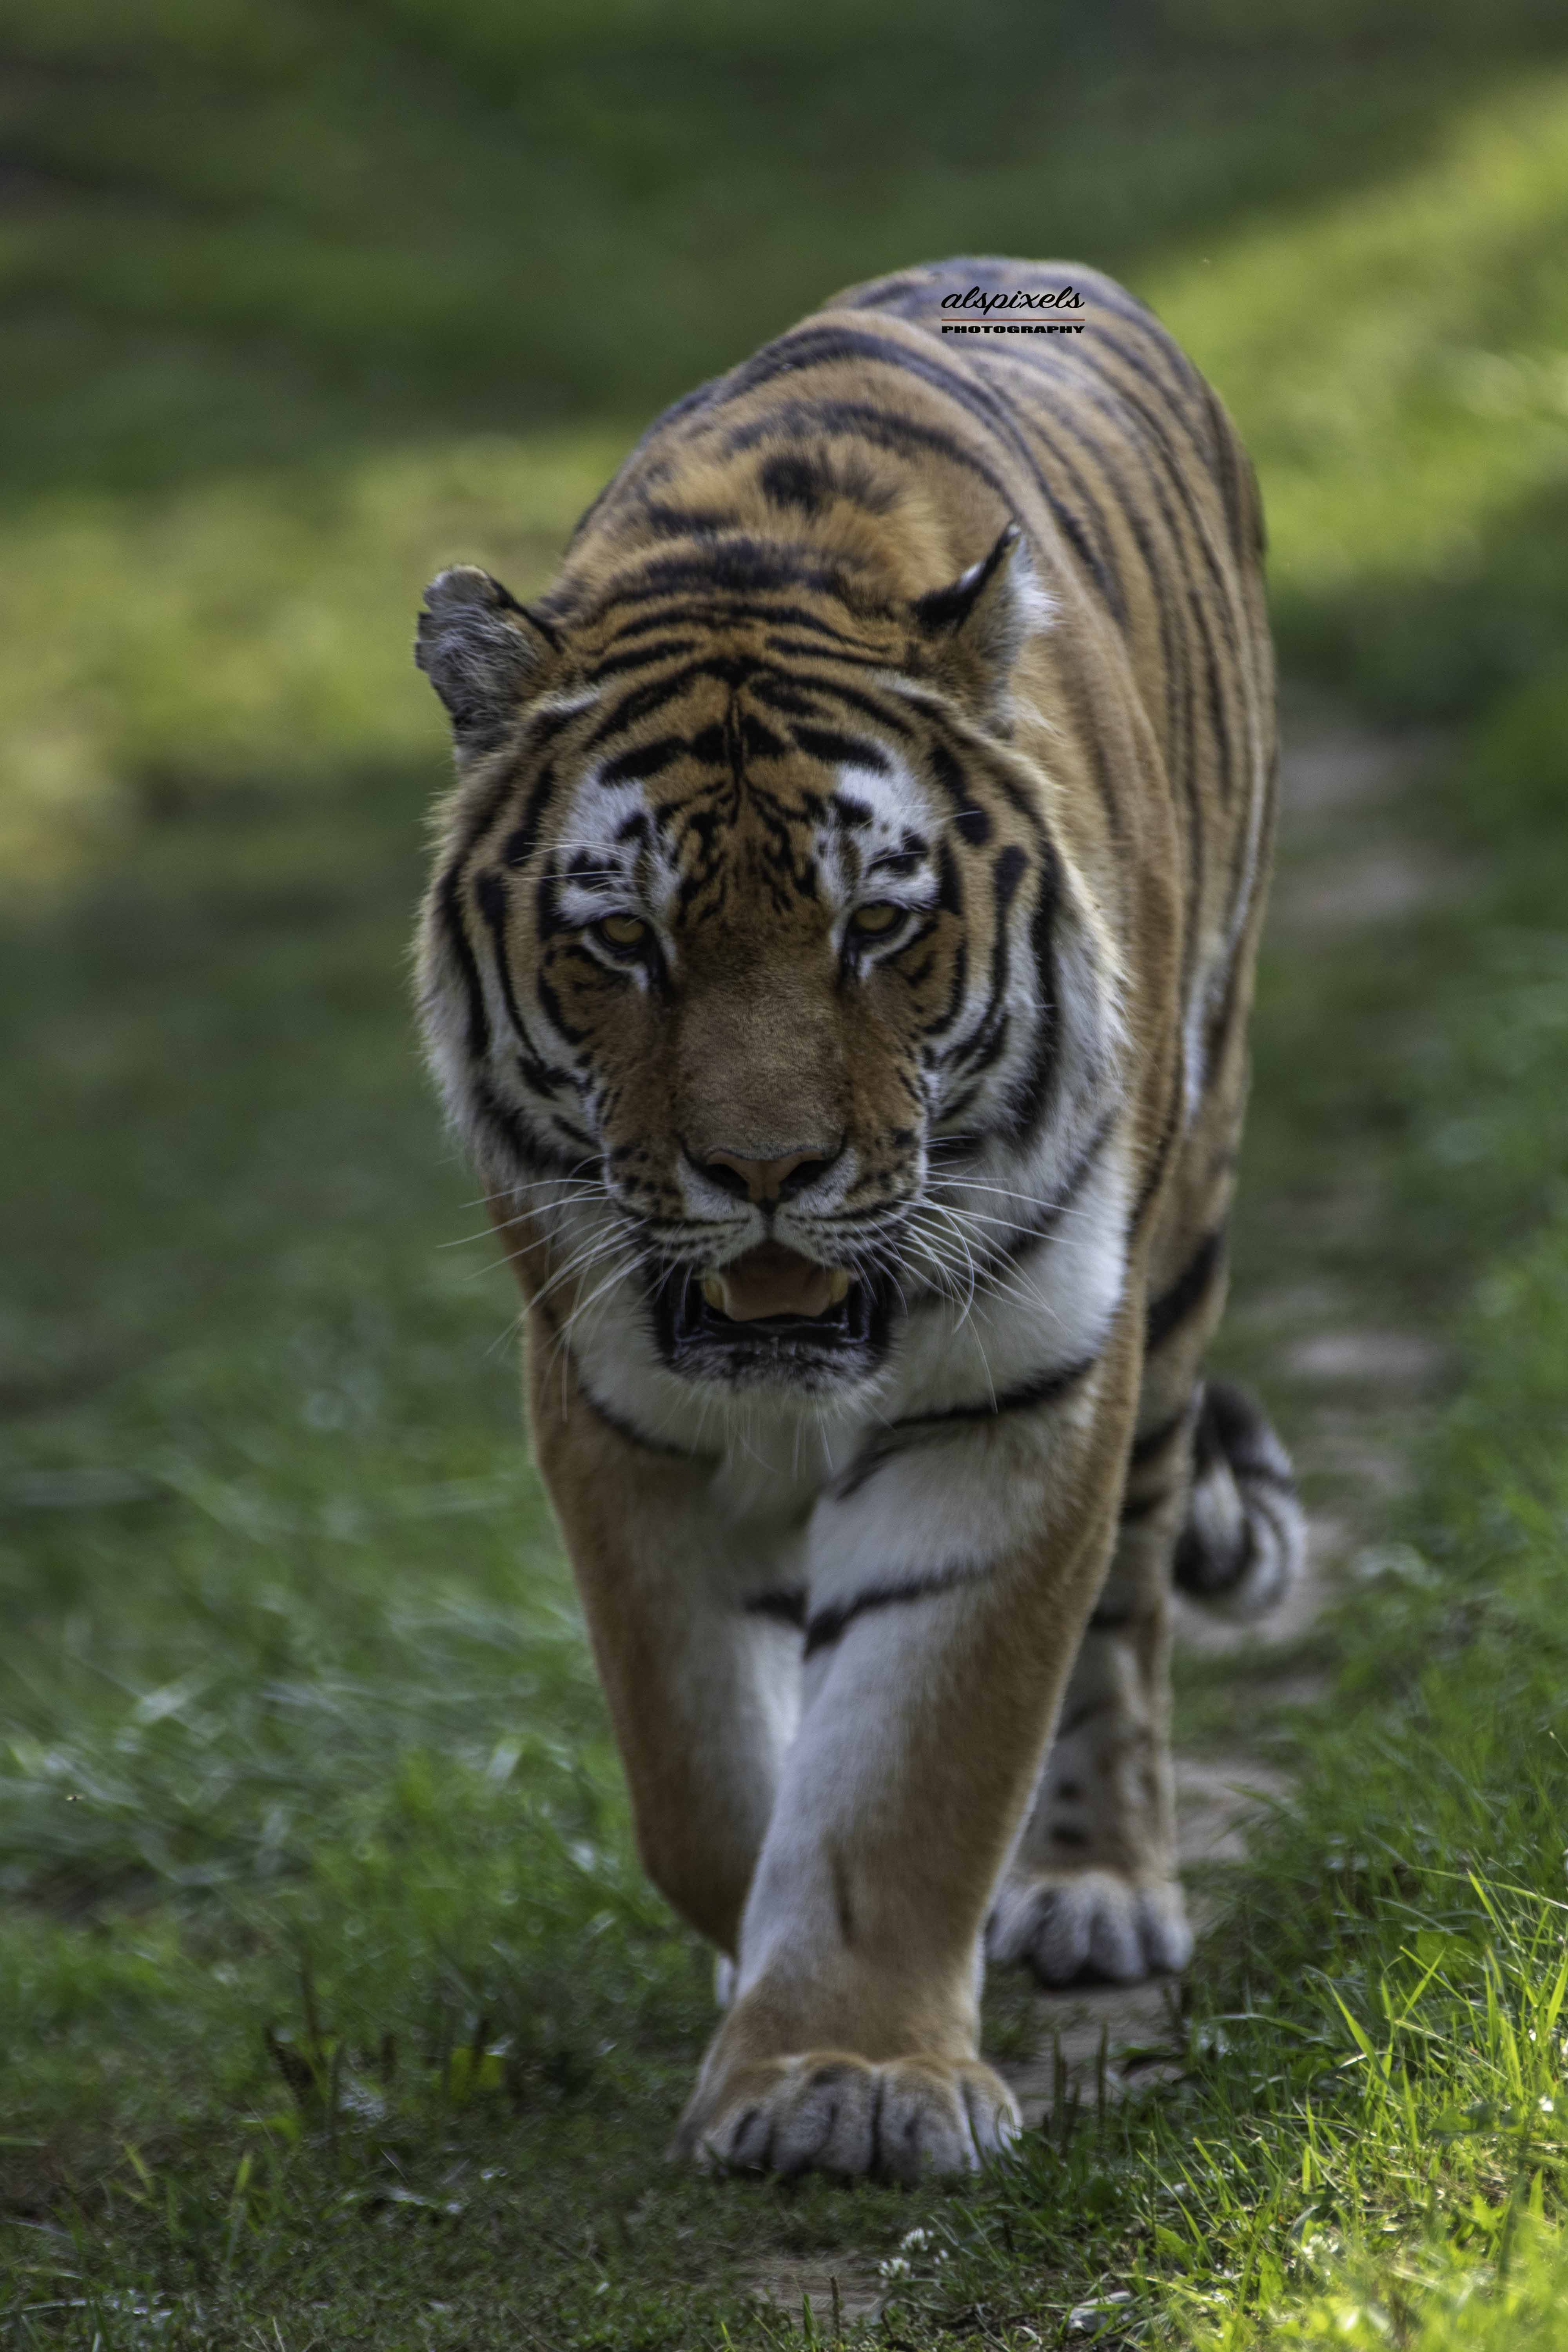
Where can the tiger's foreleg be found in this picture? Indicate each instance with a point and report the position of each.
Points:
(935, 1660)
(703, 1693)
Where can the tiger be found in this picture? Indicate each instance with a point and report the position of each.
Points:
(838, 960)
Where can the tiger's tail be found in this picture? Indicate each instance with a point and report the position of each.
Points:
(1245, 1541)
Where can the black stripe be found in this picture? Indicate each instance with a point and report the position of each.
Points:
(1112, 296)
(786, 1608)
(986, 1039)
(624, 480)
(1036, 1084)
(1187, 1292)
(704, 612)
(574, 1134)
(1090, 717)
(733, 670)
(1077, 1175)
(542, 727)
(636, 764)
(1082, 1714)
(629, 1429)
(523, 839)
(1143, 1506)
(450, 908)
(1045, 1389)
(726, 568)
(500, 1123)
(826, 1625)
(855, 420)
(940, 723)
(973, 820)
(958, 989)
(1154, 1174)
(992, 1257)
(825, 744)
(660, 649)
(793, 649)
(1222, 1012)
(1262, 1474)
(643, 699)
(887, 713)
(651, 514)
(1155, 1439)
(490, 892)
(799, 616)
(646, 624)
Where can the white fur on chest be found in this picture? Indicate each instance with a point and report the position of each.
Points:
(941, 1496)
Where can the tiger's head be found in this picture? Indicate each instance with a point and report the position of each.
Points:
(749, 961)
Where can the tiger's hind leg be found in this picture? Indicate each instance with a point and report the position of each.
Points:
(1092, 1889)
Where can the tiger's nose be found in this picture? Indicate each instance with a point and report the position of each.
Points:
(765, 1181)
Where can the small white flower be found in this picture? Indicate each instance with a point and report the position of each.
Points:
(1547, 2106)
(1094, 2318)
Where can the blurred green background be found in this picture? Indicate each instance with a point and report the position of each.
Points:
(301, 303)
(301, 298)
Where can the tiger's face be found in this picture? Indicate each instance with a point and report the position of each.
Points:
(729, 969)
(742, 926)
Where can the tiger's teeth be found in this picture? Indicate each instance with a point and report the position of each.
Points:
(713, 1292)
(837, 1287)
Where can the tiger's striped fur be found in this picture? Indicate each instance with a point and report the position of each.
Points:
(849, 898)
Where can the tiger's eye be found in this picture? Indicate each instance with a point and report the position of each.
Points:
(624, 930)
(879, 916)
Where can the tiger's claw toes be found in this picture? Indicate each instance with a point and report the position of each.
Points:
(1090, 1924)
(829, 2111)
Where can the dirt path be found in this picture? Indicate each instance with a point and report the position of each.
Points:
(1344, 863)
(1341, 865)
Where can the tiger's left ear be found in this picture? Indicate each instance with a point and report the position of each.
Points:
(976, 627)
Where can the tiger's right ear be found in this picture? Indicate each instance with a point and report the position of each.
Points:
(976, 627)
(482, 652)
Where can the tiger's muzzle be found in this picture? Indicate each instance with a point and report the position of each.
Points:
(773, 1319)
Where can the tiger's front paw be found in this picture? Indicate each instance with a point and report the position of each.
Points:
(1089, 1924)
(828, 2111)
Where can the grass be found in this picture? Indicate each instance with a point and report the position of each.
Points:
(332, 2008)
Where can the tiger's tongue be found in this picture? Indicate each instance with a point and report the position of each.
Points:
(772, 1280)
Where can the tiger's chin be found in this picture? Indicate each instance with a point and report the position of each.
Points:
(773, 1320)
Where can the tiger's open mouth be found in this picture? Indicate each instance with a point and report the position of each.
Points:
(771, 1317)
